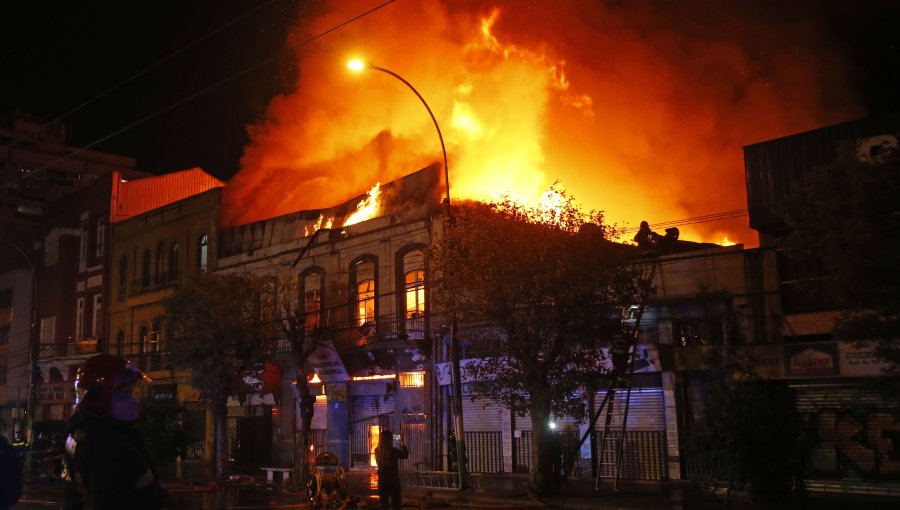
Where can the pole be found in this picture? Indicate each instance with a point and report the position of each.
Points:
(32, 351)
(454, 342)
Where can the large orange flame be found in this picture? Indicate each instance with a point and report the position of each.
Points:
(638, 108)
(367, 208)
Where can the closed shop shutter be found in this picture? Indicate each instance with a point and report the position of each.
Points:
(645, 410)
(644, 443)
(482, 414)
(368, 406)
(845, 430)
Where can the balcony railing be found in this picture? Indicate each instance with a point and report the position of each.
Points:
(69, 349)
(387, 329)
(154, 282)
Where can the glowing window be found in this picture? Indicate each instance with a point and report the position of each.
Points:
(412, 379)
(365, 302)
(415, 294)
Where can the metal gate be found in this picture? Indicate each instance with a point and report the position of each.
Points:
(643, 455)
(525, 449)
(484, 452)
(194, 432)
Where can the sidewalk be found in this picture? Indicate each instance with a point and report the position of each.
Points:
(502, 492)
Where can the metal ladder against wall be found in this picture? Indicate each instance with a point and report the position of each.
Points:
(617, 412)
(612, 441)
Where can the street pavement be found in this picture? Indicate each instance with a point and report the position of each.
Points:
(248, 492)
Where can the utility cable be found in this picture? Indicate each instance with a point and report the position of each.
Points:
(137, 75)
(201, 92)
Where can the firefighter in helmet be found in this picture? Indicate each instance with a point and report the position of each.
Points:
(106, 465)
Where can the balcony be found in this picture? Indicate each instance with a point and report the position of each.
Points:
(157, 282)
(78, 348)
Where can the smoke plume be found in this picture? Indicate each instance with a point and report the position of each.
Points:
(638, 108)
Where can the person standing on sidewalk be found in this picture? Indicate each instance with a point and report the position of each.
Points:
(106, 465)
(387, 458)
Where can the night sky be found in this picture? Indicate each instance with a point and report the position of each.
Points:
(57, 54)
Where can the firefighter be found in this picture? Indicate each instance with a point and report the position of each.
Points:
(106, 465)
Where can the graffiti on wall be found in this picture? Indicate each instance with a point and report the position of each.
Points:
(865, 444)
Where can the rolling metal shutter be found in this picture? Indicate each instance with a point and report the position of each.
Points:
(846, 430)
(482, 414)
(645, 410)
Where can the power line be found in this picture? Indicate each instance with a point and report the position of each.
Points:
(201, 92)
(140, 73)
(724, 215)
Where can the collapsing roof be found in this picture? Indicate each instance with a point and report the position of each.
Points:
(415, 196)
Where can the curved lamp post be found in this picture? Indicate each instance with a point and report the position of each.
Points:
(359, 65)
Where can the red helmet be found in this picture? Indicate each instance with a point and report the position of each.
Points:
(98, 378)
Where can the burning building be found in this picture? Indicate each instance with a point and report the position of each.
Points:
(357, 273)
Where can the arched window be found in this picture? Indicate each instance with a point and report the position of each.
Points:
(203, 254)
(311, 287)
(412, 299)
(155, 348)
(173, 263)
(123, 278)
(268, 300)
(143, 346)
(414, 283)
(160, 263)
(364, 292)
(145, 269)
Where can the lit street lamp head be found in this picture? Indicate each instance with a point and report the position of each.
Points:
(357, 65)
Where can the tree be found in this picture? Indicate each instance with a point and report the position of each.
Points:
(215, 332)
(304, 330)
(160, 425)
(536, 292)
(847, 215)
(746, 430)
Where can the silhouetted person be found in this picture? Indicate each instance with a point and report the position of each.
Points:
(106, 465)
(670, 241)
(645, 238)
(10, 475)
(387, 458)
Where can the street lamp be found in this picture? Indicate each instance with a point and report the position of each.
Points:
(359, 65)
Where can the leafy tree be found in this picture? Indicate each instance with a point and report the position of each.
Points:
(746, 431)
(847, 215)
(304, 337)
(160, 426)
(215, 331)
(535, 292)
